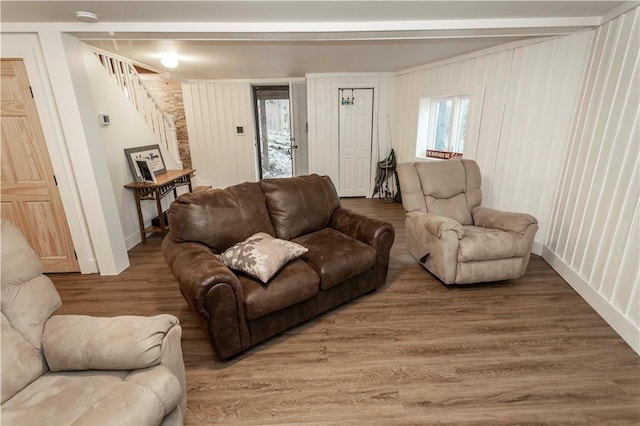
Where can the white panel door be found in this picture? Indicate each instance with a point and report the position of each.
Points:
(355, 124)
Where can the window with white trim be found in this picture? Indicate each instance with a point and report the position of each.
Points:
(442, 126)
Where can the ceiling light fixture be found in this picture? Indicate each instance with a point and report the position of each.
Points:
(169, 60)
(84, 16)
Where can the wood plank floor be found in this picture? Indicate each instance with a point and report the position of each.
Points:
(526, 352)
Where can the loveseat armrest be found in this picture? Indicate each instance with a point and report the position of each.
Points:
(437, 225)
(213, 291)
(197, 269)
(374, 232)
(363, 228)
(80, 342)
(505, 221)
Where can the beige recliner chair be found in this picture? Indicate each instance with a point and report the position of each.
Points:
(75, 369)
(451, 235)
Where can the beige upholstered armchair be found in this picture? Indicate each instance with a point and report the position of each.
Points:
(451, 235)
(75, 369)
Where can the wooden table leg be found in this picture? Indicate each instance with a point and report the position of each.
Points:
(163, 228)
(143, 235)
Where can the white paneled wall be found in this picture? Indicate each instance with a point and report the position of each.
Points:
(530, 93)
(222, 158)
(213, 111)
(595, 234)
(323, 125)
(543, 92)
(490, 72)
(323, 112)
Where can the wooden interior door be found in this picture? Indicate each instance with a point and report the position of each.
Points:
(29, 194)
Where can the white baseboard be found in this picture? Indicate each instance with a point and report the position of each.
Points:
(621, 324)
(89, 266)
(133, 240)
(537, 248)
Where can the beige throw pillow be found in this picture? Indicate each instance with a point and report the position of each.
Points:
(261, 255)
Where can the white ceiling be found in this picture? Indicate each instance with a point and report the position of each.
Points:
(276, 39)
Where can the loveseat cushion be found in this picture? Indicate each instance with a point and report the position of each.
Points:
(220, 218)
(490, 244)
(300, 205)
(296, 282)
(335, 256)
(96, 397)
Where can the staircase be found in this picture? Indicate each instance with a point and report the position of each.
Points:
(129, 81)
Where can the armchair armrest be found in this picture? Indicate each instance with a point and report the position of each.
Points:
(506, 221)
(80, 342)
(437, 225)
(213, 291)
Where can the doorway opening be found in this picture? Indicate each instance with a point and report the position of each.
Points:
(273, 127)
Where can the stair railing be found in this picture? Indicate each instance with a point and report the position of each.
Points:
(128, 79)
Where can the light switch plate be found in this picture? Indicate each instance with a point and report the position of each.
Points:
(104, 120)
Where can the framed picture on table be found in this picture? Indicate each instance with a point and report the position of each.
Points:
(147, 174)
(150, 153)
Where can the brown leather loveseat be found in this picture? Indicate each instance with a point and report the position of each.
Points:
(348, 255)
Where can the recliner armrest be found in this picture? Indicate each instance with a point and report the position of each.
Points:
(80, 342)
(144, 397)
(437, 225)
(506, 221)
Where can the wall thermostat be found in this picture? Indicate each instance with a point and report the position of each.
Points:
(104, 120)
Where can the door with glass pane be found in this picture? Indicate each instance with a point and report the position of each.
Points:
(273, 129)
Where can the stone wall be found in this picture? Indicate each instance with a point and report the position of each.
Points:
(168, 93)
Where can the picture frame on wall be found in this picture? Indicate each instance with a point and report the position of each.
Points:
(150, 153)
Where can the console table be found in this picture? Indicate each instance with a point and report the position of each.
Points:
(155, 191)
